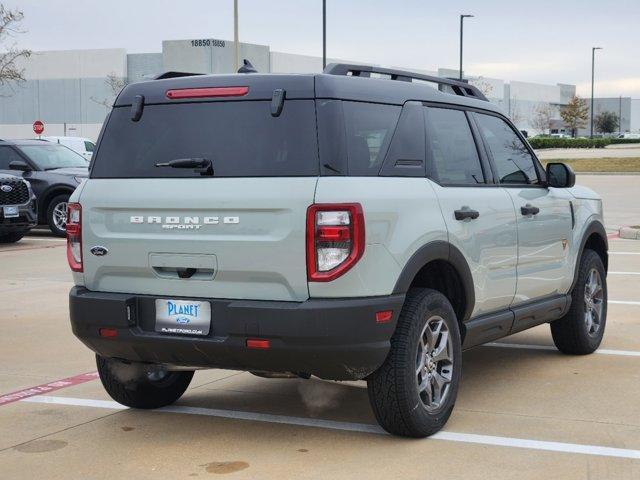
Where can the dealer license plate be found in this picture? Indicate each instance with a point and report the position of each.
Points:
(183, 317)
(10, 212)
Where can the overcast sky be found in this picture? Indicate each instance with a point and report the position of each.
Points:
(544, 41)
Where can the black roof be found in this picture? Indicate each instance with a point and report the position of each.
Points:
(305, 86)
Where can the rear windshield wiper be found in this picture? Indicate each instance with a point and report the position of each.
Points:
(202, 165)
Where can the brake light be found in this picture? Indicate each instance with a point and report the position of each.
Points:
(335, 240)
(207, 92)
(74, 236)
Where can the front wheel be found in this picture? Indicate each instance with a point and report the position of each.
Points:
(413, 393)
(141, 385)
(11, 237)
(581, 330)
(57, 215)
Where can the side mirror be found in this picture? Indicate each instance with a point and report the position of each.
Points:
(19, 165)
(560, 175)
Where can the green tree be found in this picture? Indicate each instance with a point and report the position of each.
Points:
(10, 54)
(575, 114)
(606, 122)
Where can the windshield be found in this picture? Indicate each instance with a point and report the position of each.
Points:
(49, 157)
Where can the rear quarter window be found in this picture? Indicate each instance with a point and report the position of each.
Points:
(241, 138)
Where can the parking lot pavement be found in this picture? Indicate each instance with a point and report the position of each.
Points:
(524, 410)
(610, 151)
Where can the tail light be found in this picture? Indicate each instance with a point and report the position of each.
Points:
(335, 240)
(74, 236)
(207, 92)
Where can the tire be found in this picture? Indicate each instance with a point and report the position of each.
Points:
(581, 330)
(54, 220)
(398, 404)
(11, 237)
(133, 384)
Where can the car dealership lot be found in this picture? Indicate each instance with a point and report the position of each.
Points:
(523, 411)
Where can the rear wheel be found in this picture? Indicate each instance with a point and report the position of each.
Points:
(57, 215)
(581, 330)
(413, 393)
(141, 385)
(11, 237)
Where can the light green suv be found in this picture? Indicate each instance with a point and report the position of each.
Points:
(336, 225)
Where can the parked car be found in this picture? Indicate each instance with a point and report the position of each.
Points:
(632, 136)
(18, 208)
(83, 146)
(336, 225)
(54, 172)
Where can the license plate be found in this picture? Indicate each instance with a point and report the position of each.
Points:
(10, 211)
(183, 317)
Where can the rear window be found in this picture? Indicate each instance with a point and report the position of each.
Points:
(242, 139)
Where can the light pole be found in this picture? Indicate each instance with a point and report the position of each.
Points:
(324, 34)
(462, 17)
(236, 41)
(593, 70)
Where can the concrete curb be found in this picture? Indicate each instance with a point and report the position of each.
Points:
(630, 233)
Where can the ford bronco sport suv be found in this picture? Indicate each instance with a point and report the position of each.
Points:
(355, 224)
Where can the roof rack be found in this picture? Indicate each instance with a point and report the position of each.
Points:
(165, 75)
(456, 86)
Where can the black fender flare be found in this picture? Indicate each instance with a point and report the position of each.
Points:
(439, 250)
(597, 228)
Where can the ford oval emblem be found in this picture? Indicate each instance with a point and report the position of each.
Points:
(99, 251)
(6, 188)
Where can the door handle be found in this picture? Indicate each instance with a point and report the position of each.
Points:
(466, 212)
(529, 209)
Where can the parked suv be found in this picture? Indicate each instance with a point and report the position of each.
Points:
(18, 212)
(335, 225)
(54, 172)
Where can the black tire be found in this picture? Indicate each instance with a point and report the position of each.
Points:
(130, 384)
(572, 334)
(11, 237)
(393, 389)
(55, 201)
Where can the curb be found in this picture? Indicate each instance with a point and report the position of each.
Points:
(630, 233)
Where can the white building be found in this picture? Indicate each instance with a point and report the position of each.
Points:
(70, 91)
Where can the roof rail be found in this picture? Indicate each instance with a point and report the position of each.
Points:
(165, 75)
(456, 86)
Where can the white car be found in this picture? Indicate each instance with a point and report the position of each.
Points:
(83, 146)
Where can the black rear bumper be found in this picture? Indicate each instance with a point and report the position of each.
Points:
(330, 338)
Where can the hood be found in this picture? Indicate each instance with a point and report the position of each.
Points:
(578, 191)
(72, 171)
(6, 176)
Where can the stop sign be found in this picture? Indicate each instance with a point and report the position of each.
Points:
(38, 127)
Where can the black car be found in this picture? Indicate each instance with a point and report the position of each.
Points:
(54, 172)
(18, 212)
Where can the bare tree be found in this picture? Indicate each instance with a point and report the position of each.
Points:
(483, 85)
(575, 114)
(114, 84)
(514, 112)
(543, 117)
(10, 54)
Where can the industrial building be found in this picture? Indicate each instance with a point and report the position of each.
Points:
(70, 91)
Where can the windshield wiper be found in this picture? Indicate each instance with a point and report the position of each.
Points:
(202, 165)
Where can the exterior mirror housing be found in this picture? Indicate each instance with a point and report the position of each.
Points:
(19, 165)
(560, 175)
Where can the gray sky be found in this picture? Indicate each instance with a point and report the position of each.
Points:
(543, 41)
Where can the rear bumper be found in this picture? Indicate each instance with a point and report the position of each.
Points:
(330, 338)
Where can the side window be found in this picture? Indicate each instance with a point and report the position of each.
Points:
(513, 162)
(453, 152)
(7, 155)
(89, 146)
(369, 128)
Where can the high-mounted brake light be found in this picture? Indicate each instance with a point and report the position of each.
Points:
(335, 239)
(74, 236)
(207, 92)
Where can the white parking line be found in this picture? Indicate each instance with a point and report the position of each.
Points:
(624, 253)
(623, 273)
(602, 351)
(511, 442)
(622, 302)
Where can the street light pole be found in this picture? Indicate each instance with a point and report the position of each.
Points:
(324, 34)
(462, 17)
(236, 41)
(593, 61)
